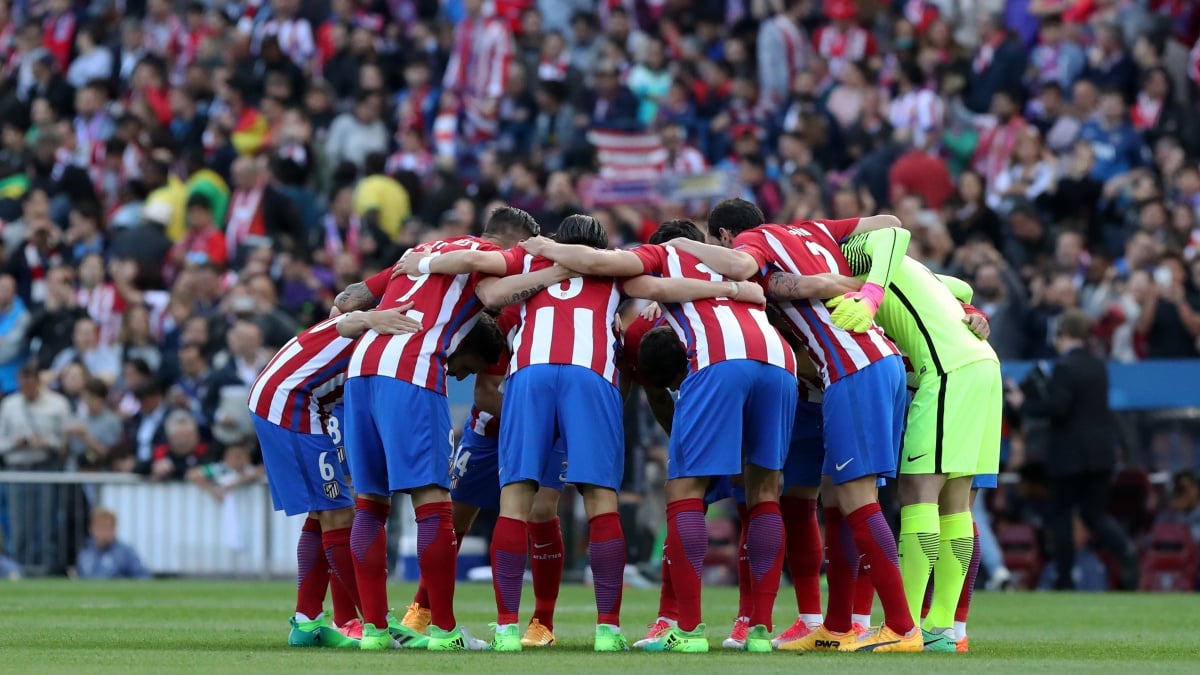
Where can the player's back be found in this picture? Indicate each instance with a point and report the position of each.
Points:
(445, 305)
(715, 330)
(814, 248)
(303, 382)
(571, 323)
(923, 317)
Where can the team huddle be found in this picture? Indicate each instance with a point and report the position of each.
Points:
(789, 364)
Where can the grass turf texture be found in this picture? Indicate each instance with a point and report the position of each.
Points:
(223, 627)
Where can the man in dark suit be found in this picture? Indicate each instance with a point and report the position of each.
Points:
(999, 65)
(1081, 451)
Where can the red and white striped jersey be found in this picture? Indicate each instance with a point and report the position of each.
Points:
(841, 47)
(445, 305)
(295, 36)
(482, 422)
(920, 111)
(716, 330)
(106, 307)
(303, 383)
(162, 38)
(814, 248)
(572, 323)
(478, 69)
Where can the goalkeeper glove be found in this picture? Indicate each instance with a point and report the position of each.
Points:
(856, 311)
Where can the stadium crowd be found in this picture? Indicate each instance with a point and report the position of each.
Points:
(185, 186)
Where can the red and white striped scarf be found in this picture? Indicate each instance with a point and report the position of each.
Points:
(1145, 112)
(105, 306)
(37, 265)
(244, 217)
(335, 243)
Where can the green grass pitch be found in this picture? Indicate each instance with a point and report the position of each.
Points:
(226, 627)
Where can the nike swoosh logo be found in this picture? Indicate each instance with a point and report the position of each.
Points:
(913, 459)
(841, 466)
(541, 545)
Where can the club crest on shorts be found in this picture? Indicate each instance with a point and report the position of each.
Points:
(332, 489)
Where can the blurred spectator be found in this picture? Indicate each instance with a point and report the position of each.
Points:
(1082, 449)
(998, 65)
(96, 430)
(379, 200)
(1185, 503)
(146, 427)
(225, 404)
(102, 362)
(358, 133)
(15, 324)
(182, 450)
(32, 420)
(220, 478)
(105, 557)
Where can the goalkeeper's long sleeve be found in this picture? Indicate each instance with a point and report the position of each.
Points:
(962, 290)
(884, 249)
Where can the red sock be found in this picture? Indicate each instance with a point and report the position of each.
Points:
(547, 567)
(342, 585)
(803, 537)
(421, 598)
(964, 598)
(368, 543)
(841, 567)
(510, 544)
(437, 554)
(764, 547)
(687, 545)
(864, 592)
(668, 608)
(312, 570)
(878, 546)
(606, 555)
(745, 594)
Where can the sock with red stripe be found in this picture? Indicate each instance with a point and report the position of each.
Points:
(437, 555)
(668, 608)
(745, 592)
(368, 543)
(964, 598)
(510, 543)
(841, 569)
(606, 555)
(864, 598)
(342, 585)
(687, 544)
(547, 567)
(421, 598)
(312, 570)
(803, 539)
(764, 546)
(877, 545)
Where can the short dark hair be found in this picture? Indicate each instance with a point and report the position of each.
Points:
(1074, 324)
(484, 340)
(96, 387)
(374, 163)
(199, 201)
(736, 215)
(581, 229)
(661, 358)
(674, 229)
(508, 220)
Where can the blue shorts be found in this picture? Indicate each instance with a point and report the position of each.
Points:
(398, 435)
(545, 402)
(475, 469)
(730, 412)
(304, 471)
(335, 427)
(985, 480)
(864, 421)
(806, 452)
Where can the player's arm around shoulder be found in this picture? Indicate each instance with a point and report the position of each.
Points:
(417, 263)
(585, 259)
(669, 290)
(731, 263)
(386, 322)
(499, 292)
(787, 286)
